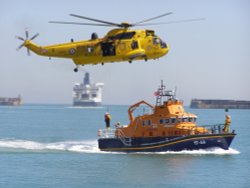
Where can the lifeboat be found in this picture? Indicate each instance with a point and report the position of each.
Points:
(166, 127)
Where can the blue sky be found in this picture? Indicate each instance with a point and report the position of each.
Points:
(208, 59)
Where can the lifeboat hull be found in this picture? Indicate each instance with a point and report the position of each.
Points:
(162, 144)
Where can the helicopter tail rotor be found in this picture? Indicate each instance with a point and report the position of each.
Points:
(26, 40)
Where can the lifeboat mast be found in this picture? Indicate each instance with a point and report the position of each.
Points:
(161, 93)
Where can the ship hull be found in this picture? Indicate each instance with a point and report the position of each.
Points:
(86, 103)
(9, 104)
(162, 144)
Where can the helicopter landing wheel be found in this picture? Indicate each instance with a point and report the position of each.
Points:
(130, 61)
(76, 69)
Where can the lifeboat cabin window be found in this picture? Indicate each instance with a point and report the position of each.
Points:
(161, 121)
(143, 123)
(179, 120)
(149, 122)
(192, 119)
(185, 119)
(173, 120)
(167, 121)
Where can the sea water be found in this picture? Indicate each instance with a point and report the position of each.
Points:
(56, 146)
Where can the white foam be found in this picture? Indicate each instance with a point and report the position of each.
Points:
(211, 151)
(75, 146)
(91, 146)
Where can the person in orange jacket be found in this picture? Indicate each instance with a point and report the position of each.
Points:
(107, 119)
(227, 122)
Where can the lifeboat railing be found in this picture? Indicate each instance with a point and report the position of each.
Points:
(216, 128)
(106, 133)
(115, 133)
(199, 130)
(124, 139)
(207, 129)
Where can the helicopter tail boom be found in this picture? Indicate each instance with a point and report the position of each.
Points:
(66, 50)
(33, 47)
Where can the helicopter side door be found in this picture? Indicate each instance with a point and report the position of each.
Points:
(108, 49)
(119, 44)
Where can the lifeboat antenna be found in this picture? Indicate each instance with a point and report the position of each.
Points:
(170, 94)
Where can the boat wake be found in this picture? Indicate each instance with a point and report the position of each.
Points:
(211, 151)
(90, 146)
(71, 146)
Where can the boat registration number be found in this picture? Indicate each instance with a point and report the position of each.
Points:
(199, 142)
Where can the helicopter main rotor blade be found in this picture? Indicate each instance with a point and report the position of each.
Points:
(78, 23)
(172, 22)
(95, 20)
(150, 19)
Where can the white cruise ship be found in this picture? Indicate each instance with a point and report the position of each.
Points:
(87, 94)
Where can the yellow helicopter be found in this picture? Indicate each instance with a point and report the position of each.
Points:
(118, 45)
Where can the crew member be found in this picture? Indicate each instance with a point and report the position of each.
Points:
(117, 125)
(107, 119)
(227, 123)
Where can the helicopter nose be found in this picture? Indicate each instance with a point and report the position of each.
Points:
(165, 50)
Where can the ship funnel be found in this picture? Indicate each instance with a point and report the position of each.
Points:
(86, 80)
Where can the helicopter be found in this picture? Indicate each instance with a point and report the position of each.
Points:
(118, 45)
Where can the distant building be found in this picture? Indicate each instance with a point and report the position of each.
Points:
(7, 101)
(87, 94)
(219, 104)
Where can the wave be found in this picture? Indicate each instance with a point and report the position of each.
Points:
(85, 107)
(91, 146)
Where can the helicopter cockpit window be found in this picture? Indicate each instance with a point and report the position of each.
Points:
(163, 44)
(156, 41)
(127, 35)
(150, 33)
